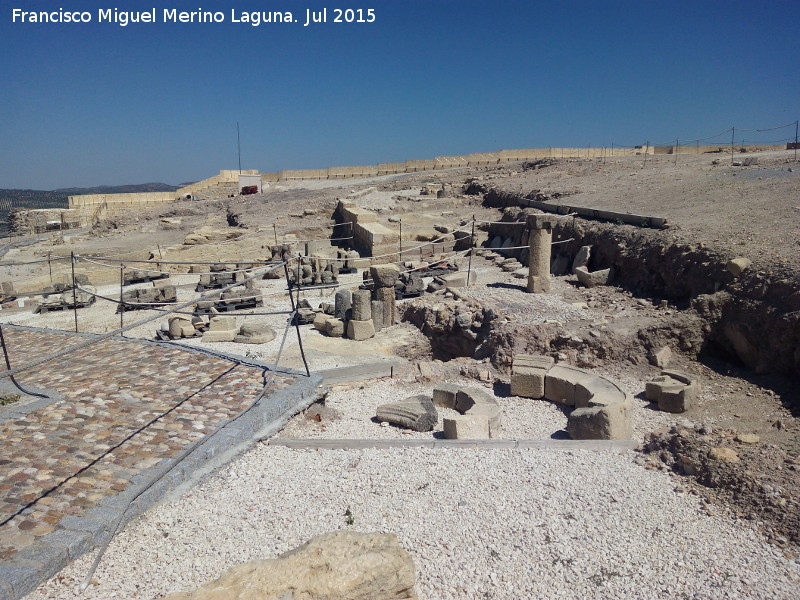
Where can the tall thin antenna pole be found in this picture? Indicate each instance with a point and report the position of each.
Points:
(733, 132)
(239, 146)
(795, 140)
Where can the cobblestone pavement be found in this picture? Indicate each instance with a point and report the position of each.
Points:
(123, 406)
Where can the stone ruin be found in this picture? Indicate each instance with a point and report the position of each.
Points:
(528, 252)
(60, 295)
(479, 418)
(133, 276)
(673, 391)
(161, 293)
(246, 295)
(358, 314)
(219, 276)
(602, 410)
(216, 328)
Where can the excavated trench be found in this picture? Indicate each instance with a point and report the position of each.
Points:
(750, 319)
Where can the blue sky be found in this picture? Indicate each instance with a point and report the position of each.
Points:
(92, 104)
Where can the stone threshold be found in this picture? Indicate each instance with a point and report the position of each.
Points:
(355, 444)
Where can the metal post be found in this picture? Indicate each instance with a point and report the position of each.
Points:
(294, 317)
(275, 233)
(646, 150)
(50, 265)
(676, 151)
(795, 140)
(401, 239)
(471, 250)
(121, 296)
(74, 292)
(733, 132)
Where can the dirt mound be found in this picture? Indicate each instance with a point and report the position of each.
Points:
(721, 463)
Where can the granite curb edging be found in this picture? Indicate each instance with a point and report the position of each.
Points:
(77, 535)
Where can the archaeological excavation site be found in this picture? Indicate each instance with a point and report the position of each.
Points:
(557, 373)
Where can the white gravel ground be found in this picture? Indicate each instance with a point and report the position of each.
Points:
(496, 524)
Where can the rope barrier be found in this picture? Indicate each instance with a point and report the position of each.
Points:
(105, 336)
(153, 305)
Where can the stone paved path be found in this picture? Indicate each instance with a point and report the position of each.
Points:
(124, 406)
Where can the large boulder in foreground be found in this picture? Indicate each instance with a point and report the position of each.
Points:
(341, 565)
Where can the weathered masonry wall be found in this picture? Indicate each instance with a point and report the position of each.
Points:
(753, 317)
(93, 207)
(721, 148)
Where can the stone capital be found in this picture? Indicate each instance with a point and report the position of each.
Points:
(543, 221)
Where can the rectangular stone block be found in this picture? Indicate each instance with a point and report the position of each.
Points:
(75, 543)
(444, 395)
(22, 579)
(459, 279)
(466, 427)
(360, 330)
(222, 323)
(528, 375)
(559, 385)
(220, 335)
(334, 327)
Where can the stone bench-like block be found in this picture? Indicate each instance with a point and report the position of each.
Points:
(594, 278)
(673, 391)
(598, 391)
(490, 412)
(600, 423)
(466, 427)
(360, 330)
(444, 395)
(220, 335)
(466, 398)
(528, 375)
(559, 385)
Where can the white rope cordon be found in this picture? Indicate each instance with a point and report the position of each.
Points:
(116, 332)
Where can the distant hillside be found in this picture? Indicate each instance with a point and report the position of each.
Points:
(27, 199)
(118, 189)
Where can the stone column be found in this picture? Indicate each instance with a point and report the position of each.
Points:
(541, 238)
(383, 279)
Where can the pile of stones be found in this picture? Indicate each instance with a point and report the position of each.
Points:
(314, 270)
(219, 276)
(142, 276)
(479, 418)
(144, 298)
(358, 315)
(60, 295)
(245, 296)
(217, 328)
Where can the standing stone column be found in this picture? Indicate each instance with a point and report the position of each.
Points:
(541, 238)
(360, 325)
(383, 279)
